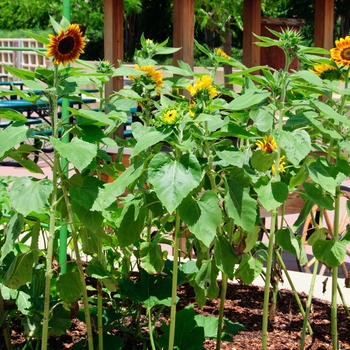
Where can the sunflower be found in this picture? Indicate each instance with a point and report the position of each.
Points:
(268, 144)
(281, 166)
(155, 75)
(170, 116)
(203, 84)
(341, 53)
(67, 45)
(221, 53)
(326, 71)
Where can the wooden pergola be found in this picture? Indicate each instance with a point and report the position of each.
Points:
(183, 32)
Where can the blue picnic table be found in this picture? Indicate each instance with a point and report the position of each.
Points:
(40, 106)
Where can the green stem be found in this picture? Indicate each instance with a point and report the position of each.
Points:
(343, 301)
(150, 327)
(221, 310)
(308, 306)
(80, 269)
(334, 306)
(99, 299)
(268, 280)
(281, 262)
(223, 293)
(53, 217)
(4, 325)
(174, 282)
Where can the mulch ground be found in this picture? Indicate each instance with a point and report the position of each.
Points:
(243, 304)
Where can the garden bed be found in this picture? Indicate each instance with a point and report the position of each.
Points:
(244, 305)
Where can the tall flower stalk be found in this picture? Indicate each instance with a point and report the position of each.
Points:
(64, 48)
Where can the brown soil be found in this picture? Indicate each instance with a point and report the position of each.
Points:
(244, 305)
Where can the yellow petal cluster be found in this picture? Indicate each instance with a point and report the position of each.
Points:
(221, 53)
(203, 83)
(268, 144)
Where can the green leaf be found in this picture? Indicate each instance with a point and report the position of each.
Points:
(202, 217)
(12, 114)
(232, 156)
(13, 230)
(320, 175)
(317, 196)
(151, 257)
(309, 77)
(249, 269)
(96, 270)
(32, 325)
(92, 220)
(13, 135)
(286, 239)
(131, 224)
(271, 194)
(151, 290)
(231, 329)
(206, 279)
(329, 252)
(262, 119)
(149, 139)
(172, 179)
(20, 271)
(239, 205)
(262, 161)
(296, 144)
(99, 117)
(224, 256)
(87, 193)
(29, 195)
(111, 191)
(209, 324)
(329, 112)
(188, 336)
(69, 287)
(249, 99)
(60, 321)
(20, 73)
(77, 152)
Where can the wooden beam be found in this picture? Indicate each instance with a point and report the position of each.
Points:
(324, 24)
(183, 32)
(114, 45)
(114, 39)
(252, 24)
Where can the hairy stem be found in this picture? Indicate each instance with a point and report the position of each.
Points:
(174, 282)
(308, 306)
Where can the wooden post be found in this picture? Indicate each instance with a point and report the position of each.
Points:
(252, 24)
(324, 24)
(114, 44)
(183, 35)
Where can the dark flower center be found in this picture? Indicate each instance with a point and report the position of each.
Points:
(66, 45)
(346, 54)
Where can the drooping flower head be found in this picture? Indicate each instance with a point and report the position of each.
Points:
(203, 87)
(221, 53)
(326, 71)
(341, 53)
(153, 76)
(67, 46)
(268, 144)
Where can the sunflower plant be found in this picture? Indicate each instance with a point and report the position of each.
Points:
(206, 163)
